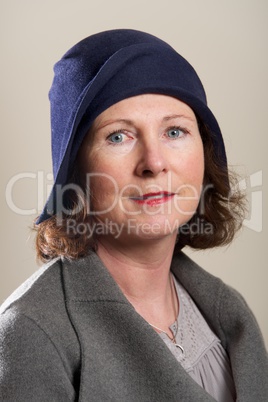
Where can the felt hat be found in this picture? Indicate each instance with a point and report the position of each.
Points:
(106, 68)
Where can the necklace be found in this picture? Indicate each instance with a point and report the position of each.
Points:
(173, 338)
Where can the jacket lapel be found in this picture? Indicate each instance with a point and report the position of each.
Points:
(123, 358)
(227, 313)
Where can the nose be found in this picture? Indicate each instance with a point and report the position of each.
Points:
(151, 160)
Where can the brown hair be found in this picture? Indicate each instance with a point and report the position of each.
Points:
(218, 217)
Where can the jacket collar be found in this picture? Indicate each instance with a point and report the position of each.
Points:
(90, 279)
(139, 363)
(87, 279)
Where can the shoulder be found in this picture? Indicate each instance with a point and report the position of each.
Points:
(37, 308)
(25, 297)
(40, 297)
(202, 284)
(195, 277)
(224, 307)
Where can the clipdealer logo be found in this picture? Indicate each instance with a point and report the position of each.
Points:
(42, 185)
(253, 187)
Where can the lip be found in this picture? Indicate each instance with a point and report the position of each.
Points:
(152, 199)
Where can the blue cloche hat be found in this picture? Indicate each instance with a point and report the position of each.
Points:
(106, 68)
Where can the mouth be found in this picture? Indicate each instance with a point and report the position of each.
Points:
(153, 198)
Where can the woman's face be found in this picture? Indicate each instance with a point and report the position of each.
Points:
(144, 162)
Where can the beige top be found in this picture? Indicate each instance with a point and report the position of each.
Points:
(203, 356)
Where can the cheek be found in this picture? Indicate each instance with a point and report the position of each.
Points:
(190, 177)
(104, 188)
(193, 167)
(198, 167)
(102, 194)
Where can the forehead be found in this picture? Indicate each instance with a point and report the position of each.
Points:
(145, 106)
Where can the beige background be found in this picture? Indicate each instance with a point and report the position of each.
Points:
(226, 41)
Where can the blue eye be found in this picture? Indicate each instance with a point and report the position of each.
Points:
(116, 138)
(174, 132)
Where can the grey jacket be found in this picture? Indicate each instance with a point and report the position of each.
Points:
(69, 334)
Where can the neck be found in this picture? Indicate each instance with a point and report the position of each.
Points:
(143, 274)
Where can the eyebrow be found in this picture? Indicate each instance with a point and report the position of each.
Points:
(108, 122)
(131, 122)
(178, 116)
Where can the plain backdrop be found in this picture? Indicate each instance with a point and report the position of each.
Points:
(226, 42)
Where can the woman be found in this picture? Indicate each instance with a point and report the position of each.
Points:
(119, 313)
